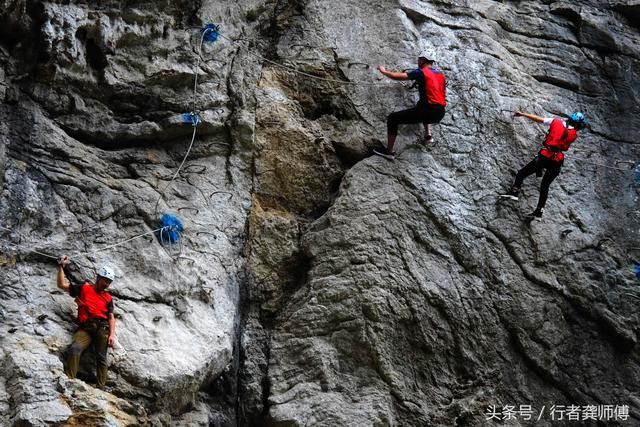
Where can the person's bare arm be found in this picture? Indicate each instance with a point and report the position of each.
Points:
(61, 279)
(529, 116)
(393, 75)
(112, 330)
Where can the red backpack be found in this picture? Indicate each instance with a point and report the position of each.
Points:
(558, 140)
(434, 85)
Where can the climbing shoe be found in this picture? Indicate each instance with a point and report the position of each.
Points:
(428, 134)
(512, 194)
(382, 151)
(535, 215)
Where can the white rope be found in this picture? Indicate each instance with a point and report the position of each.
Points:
(33, 250)
(79, 253)
(195, 82)
(195, 125)
(184, 159)
(22, 245)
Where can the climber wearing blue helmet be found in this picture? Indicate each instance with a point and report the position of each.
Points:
(577, 120)
(550, 158)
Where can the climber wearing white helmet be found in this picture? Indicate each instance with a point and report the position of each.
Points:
(96, 320)
(550, 158)
(430, 106)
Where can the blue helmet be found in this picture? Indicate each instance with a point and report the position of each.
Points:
(577, 118)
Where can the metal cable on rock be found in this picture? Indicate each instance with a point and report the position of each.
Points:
(21, 245)
(584, 160)
(303, 73)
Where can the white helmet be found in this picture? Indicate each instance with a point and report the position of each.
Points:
(106, 272)
(428, 56)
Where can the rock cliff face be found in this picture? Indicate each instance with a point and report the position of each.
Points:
(315, 284)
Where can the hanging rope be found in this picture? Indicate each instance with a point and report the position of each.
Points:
(210, 32)
(206, 30)
(184, 159)
(172, 227)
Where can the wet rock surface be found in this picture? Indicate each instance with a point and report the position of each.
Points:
(316, 285)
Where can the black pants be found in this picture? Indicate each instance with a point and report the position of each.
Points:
(536, 166)
(418, 114)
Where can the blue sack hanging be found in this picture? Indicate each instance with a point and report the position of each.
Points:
(636, 270)
(191, 118)
(636, 174)
(210, 32)
(170, 228)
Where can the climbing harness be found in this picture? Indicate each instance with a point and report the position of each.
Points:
(558, 139)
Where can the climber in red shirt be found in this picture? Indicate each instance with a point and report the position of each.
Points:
(430, 106)
(550, 157)
(96, 320)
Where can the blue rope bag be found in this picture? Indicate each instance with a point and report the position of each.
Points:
(191, 118)
(170, 229)
(211, 32)
(636, 270)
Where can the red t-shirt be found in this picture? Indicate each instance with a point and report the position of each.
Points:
(91, 304)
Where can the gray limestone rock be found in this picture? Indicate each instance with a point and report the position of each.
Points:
(426, 300)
